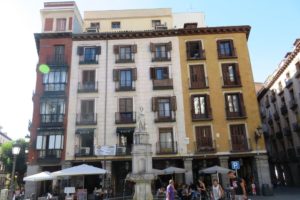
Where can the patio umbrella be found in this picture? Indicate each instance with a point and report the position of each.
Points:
(157, 172)
(174, 170)
(42, 176)
(215, 170)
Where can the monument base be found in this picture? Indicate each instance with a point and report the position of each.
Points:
(142, 186)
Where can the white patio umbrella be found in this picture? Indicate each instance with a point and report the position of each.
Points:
(42, 176)
(157, 172)
(215, 170)
(174, 170)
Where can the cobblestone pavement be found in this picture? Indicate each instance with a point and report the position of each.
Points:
(284, 193)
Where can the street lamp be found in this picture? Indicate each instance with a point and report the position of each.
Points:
(27, 140)
(15, 151)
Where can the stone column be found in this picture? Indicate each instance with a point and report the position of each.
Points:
(188, 165)
(31, 187)
(263, 170)
(224, 163)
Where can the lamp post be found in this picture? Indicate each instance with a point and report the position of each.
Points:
(15, 151)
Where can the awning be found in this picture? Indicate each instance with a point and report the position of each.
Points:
(85, 131)
(125, 130)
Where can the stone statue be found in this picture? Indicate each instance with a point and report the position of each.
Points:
(141, 120)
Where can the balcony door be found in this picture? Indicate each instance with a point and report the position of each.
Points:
(166, 140)
(238, 137)
(203, 138)
(197, 76)
(88, 79)
(126, 109)
(59, 54)
(126, 78)
(87, 110)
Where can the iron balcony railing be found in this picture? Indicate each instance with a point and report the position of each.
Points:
(165, 116)
(197, 56)
(128, 58)
(49, 154)
(234, 115)
(223, 53)
(161, 56)
(52, 119)
(198, 84)
(293, 104)
(202, 117)
(240, 145)
(166, 147)
(122, 150)
(86, 151)
(273, 96)
(162, 84)
(86, 119)
(125, 118)
(125, 86)
(54, 87)
(208, 147)
(283, 109)
(59, 60)
(88, 87)
(88, 59)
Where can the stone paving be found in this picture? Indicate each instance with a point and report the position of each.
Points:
(285, 193)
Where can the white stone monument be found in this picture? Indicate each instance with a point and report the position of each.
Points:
(142, 173)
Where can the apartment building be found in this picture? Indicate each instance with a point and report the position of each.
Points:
(279, 101)
(194, 84)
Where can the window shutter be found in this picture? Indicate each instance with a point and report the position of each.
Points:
(154, 104)
(152, 47)
(173, 103)
(116, 75)
(70, 23)
(192, 105)
(134, 48)
(166, 72)
(187, 44)
(134, 74)
(80, 51)
(226, 105)
(237, 74)
(225, 74)
(116, 49)
(129, 105)
(169, 46)
(242, 105)
(122, 105)
(48, 24)
(208, 106)
(98, 50)
(152, 73)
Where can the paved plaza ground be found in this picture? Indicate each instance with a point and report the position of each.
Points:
(285, 193)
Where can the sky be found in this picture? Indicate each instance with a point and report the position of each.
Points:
(275, 26)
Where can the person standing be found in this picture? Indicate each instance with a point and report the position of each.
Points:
(201, 189)
(170, 191)
(217, 190)
(238, 186)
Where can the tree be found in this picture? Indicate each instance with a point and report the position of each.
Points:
(6, 157)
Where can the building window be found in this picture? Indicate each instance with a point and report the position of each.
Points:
(58, 56)
(155, 23)
(239, 141)
(235, 105)
(160, 78)
(48, 24)
(166, 144)
(161, 51)
(52, 110)
(125, 53)
(125, 114)
(124, 79)
(89, 55)
(87, 113)
(204, 141)
(201, 109)
(95, 25)
(85, 142)
(55, 81)
(49, 144)
(198, 79)
(231, 75)
(164, 107)
(88, 83)
(61, 24)
(194, 50)
(116, 25)
(226, 49)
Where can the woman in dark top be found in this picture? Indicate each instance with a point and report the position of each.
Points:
(202, 189)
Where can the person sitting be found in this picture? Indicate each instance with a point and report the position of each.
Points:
(161, 192)
(186, 193)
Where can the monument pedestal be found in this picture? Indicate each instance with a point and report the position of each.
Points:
(142, 186)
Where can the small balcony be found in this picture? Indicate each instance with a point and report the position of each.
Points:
(236, 115)
(125, 86)
(125, 59)
(289, 83)
(164, 84)
(88, 59)
(241, 145)
(293, 104)
(279, 135)
(287, 131)
(283, 109)
(167, 116)
(52, 119)
(86, 119)
(122, 150)
(273, 97)
(49, 155)
(201, 117)
(86, 151)
(276, 116)
(57, 60)
(199, 84)
(166, 147)
(87, 87)
(197, 56)
(224, 54)
(161, 57)
(296, 127)
(201, 148)
(125, 118)
(57, 88)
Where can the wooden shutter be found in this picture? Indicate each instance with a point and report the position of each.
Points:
(242, 105)
(197, 76)
(122, 105)
(173, 103)
(192, 105)
(116, 49)
(225, 73)
(238, 136)
(48, 24)
(80, 51)
(226, 105)
(203, 137)
(134, 74)
(152, 47)
(125, 105)
(188, 49)
(129, 105)
(116, 74)
(70, 23)
(88, 76)
(169, 46)
(166, 73)
(208, 106)
(98, 50)
(237, 74)
(134, 48)
(152, 73)
(154, 104)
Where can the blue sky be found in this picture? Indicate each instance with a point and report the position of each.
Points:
(275, 26)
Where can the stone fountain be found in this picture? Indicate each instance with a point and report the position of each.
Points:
(142, 173)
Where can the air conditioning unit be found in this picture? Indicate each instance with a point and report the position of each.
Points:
(92, 30)
(161, 27)
(85, 150)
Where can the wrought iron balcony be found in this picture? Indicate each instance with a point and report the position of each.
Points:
(163, 84)
(293, 104)
(52, 119)
(201, 117)
(224, 55)
(201, 148)
(57, 60)
(199, 84)
(125, 59)
(125, 118)
(287, 131)
(86, 151)
(296, 127)
(169, 116)
(243, 145)
(87, 87)
(86, 119)
(197, 56)
(49, 155)
(163, 56)
(289, 82)
(166, 147)
(267, 103)
(276, 116)
(283, 109)
(88, 59)
(122, 150)
(125, 86)
(236, 115)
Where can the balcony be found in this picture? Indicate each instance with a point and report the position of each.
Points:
(283, 109)
(197, 56)
(56, 88)
(279, 135)
(84, 151)
(166, 147)
(199, 84)
(52, 119)
(273, 97)
(49, 155)
(122, 150)
(164, 84)
(201, 148)
(276, 116)
(288, 82)
(166, 116)
(292, 154)
(88, 59)
(224, 55)
(287, 131)
(161, 56)
(293, 104)
(88, 87)
(236, 115)
(125, 118)
(125, 86)
(296, 127)
(242, 145)
(86, 119)
(201, 117)
(57, 61)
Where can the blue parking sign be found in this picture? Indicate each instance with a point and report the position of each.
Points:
(235, 165)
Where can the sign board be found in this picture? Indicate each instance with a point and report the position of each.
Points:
(235, 165)
(105, 150)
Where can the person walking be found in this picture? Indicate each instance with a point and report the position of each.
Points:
(170, 195)
(238, 185)
(217, 192)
